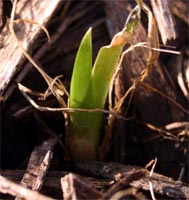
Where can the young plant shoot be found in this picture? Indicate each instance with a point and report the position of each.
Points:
(89, 89)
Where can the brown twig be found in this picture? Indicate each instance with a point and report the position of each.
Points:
(9, 187)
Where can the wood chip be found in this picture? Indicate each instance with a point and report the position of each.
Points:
(164, 18)
(161, 184)
(38, 165)
(74, 188)
(10, 55)
(9, 187)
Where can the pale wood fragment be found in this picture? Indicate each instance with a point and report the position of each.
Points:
(11, 57)
(9, 187)
(73, 187)
(38, 165)
(164, 18)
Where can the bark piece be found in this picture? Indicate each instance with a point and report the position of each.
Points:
(164, 18)
(123, 183)
(149, 104)
(11, 57)
(132, 66)
(164, 185)
(111, 176)
(38, 165)
(74, 187)
(161, 184)
(9, 187)
(52, 186)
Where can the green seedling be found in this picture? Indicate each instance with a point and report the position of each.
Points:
(90, 84)
(89, 89)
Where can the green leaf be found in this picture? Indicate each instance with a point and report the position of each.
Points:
(83, 124)
(80, 88)
(107, 60)
(103, 70)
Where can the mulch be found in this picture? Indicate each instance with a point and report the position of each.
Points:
(157, 110)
